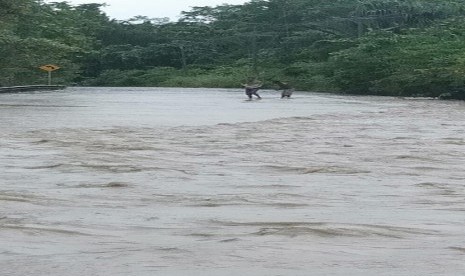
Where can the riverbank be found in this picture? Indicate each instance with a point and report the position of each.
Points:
(29, 88)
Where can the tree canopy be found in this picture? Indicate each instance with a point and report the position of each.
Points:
(381, 47)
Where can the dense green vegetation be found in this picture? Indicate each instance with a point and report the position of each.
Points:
(381, 47)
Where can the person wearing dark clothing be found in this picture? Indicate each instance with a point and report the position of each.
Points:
(287, 90)
(252, 87)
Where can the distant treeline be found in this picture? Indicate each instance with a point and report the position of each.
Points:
(379, 47)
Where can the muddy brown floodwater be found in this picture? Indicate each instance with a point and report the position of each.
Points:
(158, 181)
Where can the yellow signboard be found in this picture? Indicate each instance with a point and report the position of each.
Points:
(49, 67)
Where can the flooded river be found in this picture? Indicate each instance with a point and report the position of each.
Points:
(155, 181)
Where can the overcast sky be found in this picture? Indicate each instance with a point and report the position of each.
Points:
(125, 9)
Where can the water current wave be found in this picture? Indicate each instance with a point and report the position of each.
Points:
(129, 183)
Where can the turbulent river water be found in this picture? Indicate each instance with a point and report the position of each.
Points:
(157, 181)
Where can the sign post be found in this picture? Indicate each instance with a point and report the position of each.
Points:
(49, 68)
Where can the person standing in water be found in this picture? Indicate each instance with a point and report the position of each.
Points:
(287, 90)
(251, 88)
